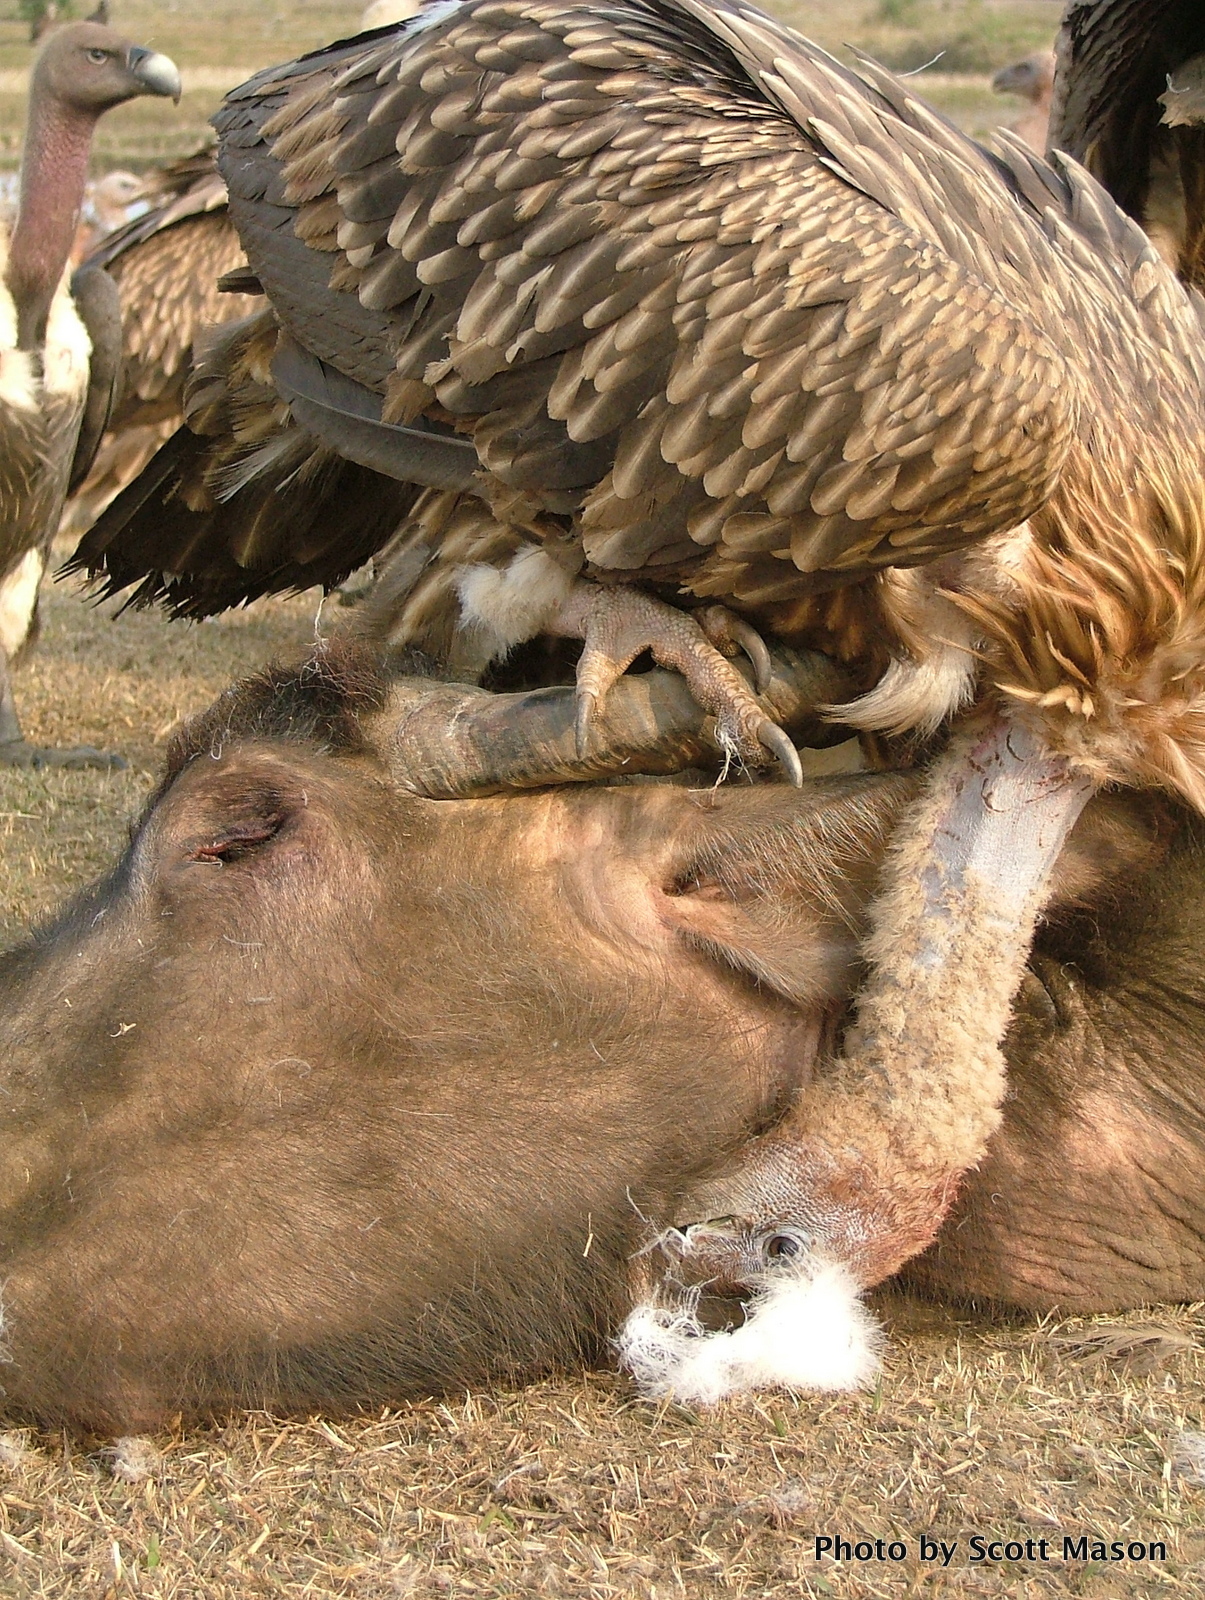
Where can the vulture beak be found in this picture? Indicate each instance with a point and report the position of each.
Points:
(1011, 80)
(157, 74)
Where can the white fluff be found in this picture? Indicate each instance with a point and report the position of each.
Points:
(917, 696)
(15, 1452)
(510, 605)
(67, 351)
(134, 1459)
(18, 597)
(1188, 1457)
(806, 1329)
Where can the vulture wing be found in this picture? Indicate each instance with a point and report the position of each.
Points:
(731, 315)
(301, 511)
(167, 264)
(1129, 102)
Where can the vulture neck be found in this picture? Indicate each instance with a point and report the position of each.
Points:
(54, 171)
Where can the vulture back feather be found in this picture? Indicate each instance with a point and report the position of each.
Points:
(725, 317)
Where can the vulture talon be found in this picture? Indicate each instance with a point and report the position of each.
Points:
(619, 623)
(584, 716)
(730, 633)
(779, 744)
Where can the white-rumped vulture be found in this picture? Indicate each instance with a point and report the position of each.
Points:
(681, 321)
(60, 338)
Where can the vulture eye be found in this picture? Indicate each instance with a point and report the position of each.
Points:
(781, 1247)
(99, 56)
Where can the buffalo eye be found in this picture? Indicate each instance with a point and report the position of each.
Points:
(99, 57)
(235, 842)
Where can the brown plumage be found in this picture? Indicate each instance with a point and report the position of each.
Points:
(725, 321)
(1129, 103)
(59, 339)
(166, 264)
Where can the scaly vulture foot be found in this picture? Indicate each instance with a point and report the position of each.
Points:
(20, 753)
(619, 623)
(860, 1174)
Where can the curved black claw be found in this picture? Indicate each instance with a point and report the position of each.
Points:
(20, 753)
(754, 646)
(778, 743)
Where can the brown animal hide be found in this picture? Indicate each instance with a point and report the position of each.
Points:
(330, 1093)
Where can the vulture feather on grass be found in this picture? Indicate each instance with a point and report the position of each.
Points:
(740, 338)
(60, 337)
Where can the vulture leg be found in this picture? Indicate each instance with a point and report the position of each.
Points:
(16, 750)
(18, 601)
(619, 623)
(860, 1174)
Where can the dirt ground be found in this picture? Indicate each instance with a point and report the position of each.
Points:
(996, 1428)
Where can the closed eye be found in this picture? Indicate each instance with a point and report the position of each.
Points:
(237, 842)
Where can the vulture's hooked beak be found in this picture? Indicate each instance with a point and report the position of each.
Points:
(1017, 79)
(156, 73)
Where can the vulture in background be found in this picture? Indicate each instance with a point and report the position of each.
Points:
(1033, 80)
(59, 336)
(1129, 103)
(166, 264)
(657, 327)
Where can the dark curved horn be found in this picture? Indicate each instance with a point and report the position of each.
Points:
(451, 741)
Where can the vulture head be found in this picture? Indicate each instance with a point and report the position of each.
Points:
(82, 71)
(88, 69)
(1032, 79)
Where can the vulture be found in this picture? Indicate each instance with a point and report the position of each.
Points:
(661, 330)
(1033, 80)
(59, 336)
(1129, 104)
(166, 263)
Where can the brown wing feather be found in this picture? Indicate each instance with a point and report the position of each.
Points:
(169, 296)
(720, 311)
(655, 305)
(166, 265)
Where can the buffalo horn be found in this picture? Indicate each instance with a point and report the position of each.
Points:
(451, 741)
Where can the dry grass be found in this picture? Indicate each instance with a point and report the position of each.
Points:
(998, 1427)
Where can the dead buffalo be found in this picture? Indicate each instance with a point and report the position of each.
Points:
(332, 1092)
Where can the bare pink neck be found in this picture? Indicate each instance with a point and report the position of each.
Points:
(54, 171)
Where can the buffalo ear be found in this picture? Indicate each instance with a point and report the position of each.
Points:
(777, 882)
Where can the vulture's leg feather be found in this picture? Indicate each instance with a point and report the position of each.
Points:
(860, 1174)
(619, 623)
